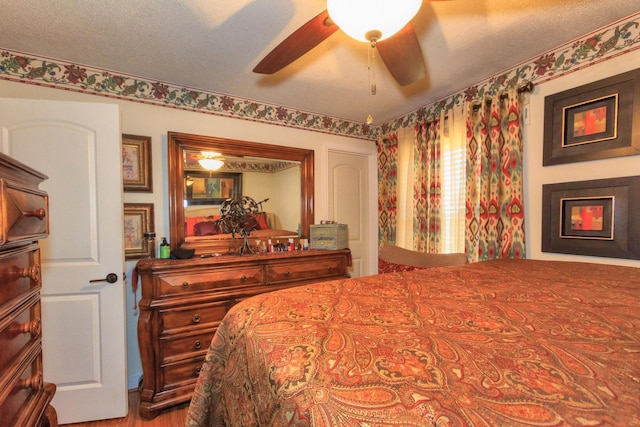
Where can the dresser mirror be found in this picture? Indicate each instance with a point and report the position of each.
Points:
(279, 179)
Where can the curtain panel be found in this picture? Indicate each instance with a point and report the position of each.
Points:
(387, 149)
(427, 186)
(494, 213)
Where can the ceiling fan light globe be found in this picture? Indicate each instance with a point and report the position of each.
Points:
(358, 17)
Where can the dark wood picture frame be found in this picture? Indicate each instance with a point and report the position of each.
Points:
(609, 208)
(138, 219)
(211, 188)
(595, 121)
(136, 163)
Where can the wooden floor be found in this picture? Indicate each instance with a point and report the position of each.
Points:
(172, 417)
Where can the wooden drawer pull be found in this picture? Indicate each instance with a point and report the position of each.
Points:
(32, 272)
(243, 278)
(197, 371)
(287, 273)
(329, 268)
(35, 382)
(185, 285)
(38, 213)
(196, 318)
(198, 345)
(34, 327)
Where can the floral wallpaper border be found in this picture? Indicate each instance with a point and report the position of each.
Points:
(26, 68)
(613, 40)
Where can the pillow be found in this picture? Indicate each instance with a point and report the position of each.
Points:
(206, 228)
(261, 218)
(190, 223)
(392, 267)
(250, 223)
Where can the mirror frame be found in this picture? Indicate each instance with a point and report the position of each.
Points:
(178, 142)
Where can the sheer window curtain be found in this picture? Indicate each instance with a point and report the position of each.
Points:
(404, 230)
(494, 211)
(454, 165)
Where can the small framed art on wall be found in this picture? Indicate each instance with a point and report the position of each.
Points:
(597, 218)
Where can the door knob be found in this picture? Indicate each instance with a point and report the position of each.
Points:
(111, 278)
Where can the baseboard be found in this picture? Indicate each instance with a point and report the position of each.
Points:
(133, 381)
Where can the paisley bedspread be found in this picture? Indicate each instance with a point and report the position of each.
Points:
(496, 343)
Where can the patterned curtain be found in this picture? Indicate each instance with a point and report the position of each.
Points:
(494, 212)
(427, 184)
(387, 188)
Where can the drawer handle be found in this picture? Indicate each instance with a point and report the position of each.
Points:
(197, 345)
(243, 278)
(35, 382)
(185, 285)
(196, 318)
(38, 213)
(34, 327)
(197, 371)
(287, 273)
(329, 268)
(32, 272)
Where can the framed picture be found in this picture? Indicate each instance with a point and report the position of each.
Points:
(211, 188)
(594, 121)
(136, 163)
(138, 219)
(596, 218)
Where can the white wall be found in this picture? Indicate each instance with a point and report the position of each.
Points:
(536, 175)
(155, 121)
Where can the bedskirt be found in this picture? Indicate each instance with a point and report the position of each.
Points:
(496, 343)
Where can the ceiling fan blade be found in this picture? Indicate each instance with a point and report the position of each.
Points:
(402, 55)
(297, 44)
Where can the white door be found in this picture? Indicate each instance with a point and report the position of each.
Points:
(349, 203)
(78, 146)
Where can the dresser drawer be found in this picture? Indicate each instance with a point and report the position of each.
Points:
(26, 213)
(19, 330)
(175, 348)
(317, 269)
(179, 319)
(179, 374)
(19, 275)
(18, 394)
(223, 279)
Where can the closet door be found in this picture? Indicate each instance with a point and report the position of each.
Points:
(350, 202)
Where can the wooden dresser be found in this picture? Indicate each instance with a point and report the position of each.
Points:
(24, 396)
(183, 302)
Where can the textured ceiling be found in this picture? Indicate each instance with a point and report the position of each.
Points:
(214, 45)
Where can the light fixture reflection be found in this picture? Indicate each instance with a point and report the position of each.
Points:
(211, 164)
(359, 18)
(210, 160)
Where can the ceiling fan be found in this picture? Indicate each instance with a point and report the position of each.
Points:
(398, 47)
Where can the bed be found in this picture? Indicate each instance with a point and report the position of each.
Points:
(264, 226)
(496, 343)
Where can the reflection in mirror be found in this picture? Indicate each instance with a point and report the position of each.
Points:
(203, 187)
(269, 182)
(279, 179)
